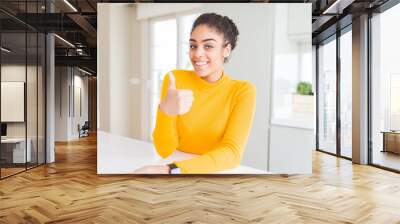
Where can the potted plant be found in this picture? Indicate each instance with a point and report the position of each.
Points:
(303, 99)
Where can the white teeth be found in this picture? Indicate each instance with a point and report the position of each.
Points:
(201, 63)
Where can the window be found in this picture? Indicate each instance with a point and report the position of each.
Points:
(169, 47)
(394, 102)
(346, 94)
(385, 89)
(292, 78)
(327, 97)
(334, 106)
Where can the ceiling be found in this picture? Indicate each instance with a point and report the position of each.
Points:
(328, 16)
(77, 25)
(76, 22)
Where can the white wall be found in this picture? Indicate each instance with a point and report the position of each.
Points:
(62, 81)
(67, 80)
(291, 149)
(80, 104)
(119, 64)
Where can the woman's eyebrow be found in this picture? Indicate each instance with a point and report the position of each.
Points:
(205, 40)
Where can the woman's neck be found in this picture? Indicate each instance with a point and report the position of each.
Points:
(214, 77)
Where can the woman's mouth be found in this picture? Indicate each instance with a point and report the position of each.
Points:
(200, 63)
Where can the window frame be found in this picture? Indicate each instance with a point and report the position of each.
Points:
(334, 37)
(371, 14)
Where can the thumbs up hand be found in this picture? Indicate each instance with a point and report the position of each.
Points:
(176, 101)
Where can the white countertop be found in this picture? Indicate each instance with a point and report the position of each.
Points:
(13, 140)
(295, 120)
(122, 155)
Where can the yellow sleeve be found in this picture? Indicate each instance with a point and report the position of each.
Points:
(165, 135)
(228, 153)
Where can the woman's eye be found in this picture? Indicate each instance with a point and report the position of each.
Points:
(208, 46)
(192, 46)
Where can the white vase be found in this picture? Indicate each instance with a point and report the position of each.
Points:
(303, 103)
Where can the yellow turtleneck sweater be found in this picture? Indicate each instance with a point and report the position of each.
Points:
(216, 127)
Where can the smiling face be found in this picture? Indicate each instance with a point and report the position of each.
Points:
(207, 52)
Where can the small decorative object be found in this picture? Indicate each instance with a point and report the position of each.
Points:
(304, 88)
(303, 99)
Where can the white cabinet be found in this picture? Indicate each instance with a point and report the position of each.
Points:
(12, 101)
(17, 147)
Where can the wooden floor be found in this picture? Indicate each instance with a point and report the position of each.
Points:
(387, 159)
(5, 172)
(70, 191)
(8, 171)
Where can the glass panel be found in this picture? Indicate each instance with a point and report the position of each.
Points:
(41, 99)
(32, 91)
(346, 93)
(13, 87)
(31, 98)
(327, 97)
(22, 88)
(386, 89)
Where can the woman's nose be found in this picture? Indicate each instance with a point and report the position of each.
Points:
(198, 52)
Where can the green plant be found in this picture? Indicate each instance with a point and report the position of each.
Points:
(304, 88)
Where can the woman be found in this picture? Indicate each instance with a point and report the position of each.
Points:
(204, 111)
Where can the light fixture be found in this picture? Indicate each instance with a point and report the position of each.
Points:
(5, 50)
(338, 6)
(79, 51)
(84, 71)
(70, 5)
(64, 40)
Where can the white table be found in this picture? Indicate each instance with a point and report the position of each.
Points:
(122, 155)
(19, 155)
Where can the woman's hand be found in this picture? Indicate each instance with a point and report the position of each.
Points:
(153, 169)
(176, 101)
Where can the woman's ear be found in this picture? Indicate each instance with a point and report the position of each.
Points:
(227, 50)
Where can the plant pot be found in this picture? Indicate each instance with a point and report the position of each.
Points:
(303, 103)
